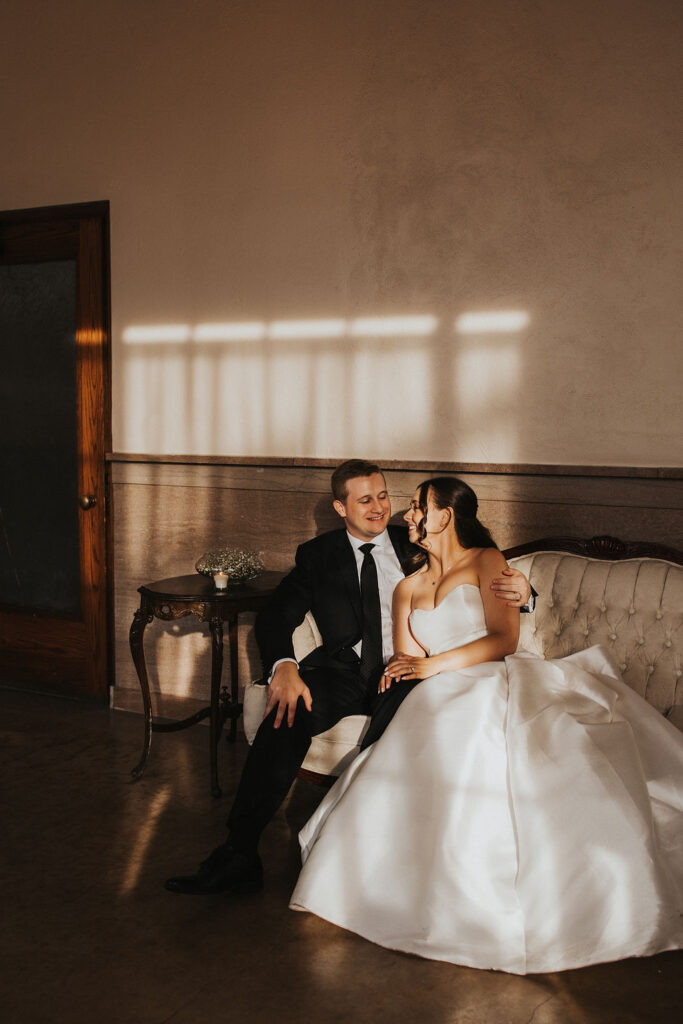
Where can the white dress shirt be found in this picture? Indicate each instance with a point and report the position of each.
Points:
(389, 572)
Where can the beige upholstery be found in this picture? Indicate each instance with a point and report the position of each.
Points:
(331, 751)
(633, 607)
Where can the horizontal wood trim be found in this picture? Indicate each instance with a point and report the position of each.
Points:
(618, 493)
(37, 242)
(63, 211)
(391, 465)
(23, 629)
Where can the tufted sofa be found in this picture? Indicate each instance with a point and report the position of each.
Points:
(627, 597)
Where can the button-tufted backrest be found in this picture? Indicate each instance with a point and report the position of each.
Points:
(634, 607)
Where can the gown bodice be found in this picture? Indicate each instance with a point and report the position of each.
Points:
(456, 620)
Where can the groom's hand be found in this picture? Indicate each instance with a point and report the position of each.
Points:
(512, 587)
(285, 688)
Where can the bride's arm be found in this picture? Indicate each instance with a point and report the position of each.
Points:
(502, 623)
(404, 641)
(400, 617)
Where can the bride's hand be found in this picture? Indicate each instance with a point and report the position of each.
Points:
(408, 666)
(389, 674)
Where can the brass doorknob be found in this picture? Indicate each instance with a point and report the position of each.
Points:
(87, 501)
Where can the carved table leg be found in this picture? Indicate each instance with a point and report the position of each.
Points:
(216, 627)
(137, 629)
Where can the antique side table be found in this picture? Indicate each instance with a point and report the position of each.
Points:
(197, 595)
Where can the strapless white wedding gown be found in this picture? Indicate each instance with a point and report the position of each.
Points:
(524, 815)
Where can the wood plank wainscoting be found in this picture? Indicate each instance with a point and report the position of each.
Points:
(168, 510)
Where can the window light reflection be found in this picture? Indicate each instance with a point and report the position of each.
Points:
(393, 325)
(284, 330)
(493, 322)
(252, 331)
(158, 333)
(307, 329)
(486, 379)
(143, 839)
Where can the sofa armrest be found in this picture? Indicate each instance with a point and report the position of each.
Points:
(306, 637)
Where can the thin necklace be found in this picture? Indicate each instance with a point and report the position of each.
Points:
(446, 570)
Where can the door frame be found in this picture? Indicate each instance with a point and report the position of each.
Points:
(88, 224)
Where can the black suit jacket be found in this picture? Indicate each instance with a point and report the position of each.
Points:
(323, 581)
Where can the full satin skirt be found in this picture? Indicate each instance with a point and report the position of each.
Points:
(524, 816)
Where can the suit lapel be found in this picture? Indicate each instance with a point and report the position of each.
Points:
(348, 573)
(348, 570)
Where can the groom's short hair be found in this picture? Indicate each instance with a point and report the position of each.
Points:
(348, 471)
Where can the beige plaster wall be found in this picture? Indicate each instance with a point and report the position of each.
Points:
(280, 171)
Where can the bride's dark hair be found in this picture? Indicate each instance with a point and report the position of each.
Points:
(449, 492)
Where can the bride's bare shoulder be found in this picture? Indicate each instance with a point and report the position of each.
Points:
(405, 587)
(490, 561)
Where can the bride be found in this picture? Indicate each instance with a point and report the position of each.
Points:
(518, 814)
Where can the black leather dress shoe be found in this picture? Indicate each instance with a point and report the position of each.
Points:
(224, 870)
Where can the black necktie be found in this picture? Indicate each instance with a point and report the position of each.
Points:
(371, 646)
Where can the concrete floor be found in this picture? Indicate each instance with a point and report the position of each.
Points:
(90, 935)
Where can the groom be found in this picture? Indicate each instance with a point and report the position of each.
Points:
(345, 578)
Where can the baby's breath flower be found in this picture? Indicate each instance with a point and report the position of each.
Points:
(239, 563)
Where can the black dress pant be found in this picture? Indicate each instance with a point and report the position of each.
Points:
(277, 754)
(384, 706)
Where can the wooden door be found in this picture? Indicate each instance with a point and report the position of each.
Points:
(55, 414)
